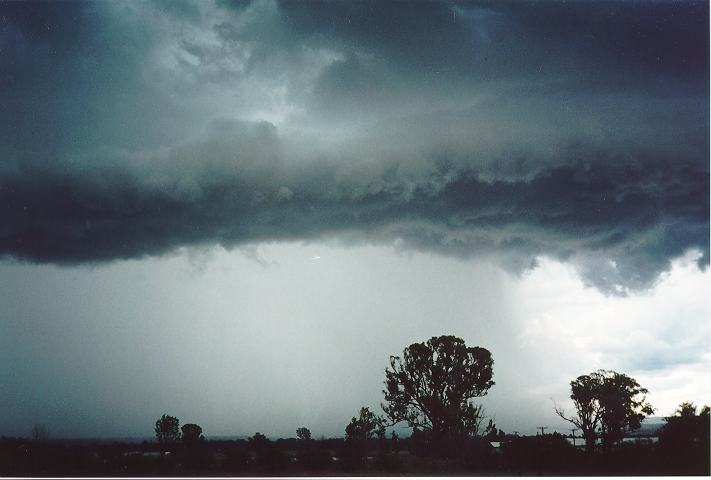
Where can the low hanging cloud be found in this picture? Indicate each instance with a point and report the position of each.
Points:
(232, 133)
(237, 187)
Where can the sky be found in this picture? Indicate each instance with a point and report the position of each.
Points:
(235, 212)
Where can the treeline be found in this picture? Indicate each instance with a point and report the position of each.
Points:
(431, 388)
(549, 454)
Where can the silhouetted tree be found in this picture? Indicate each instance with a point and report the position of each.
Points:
(685, 427)
(684, 440)
(192, 433)
(303, 433)
(585, 396)
(367, 425)
(361, 429)
(304, 451)
(623, 406)
(431, 386)
(167, 430)
(607, 403)
(195, 454)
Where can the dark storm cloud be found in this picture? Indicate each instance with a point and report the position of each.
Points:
(73, 77)
(639, 215)
(604, 41)
(575, 130)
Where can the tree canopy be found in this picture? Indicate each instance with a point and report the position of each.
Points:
(608, 404)
(258, 439)
(192, 433)
(685, 428)
(367, 425)
(303, 433)
(361, 429)
(167, 430)
(431, 385)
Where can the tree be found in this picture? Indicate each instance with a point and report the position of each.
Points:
(192, 433)
(361, 429)
(304, 451)
(623, 406)
(303, 433)
(194, 455)
(167, 431)
(684, 440)
(584, 393)
(367, 425)
(685, 427)
(431, 386)
(608, 404)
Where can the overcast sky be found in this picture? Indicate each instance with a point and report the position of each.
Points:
(234, 212)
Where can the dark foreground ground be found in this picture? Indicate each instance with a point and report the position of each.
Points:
(536, 455)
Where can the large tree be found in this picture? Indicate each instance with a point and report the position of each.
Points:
(431, 387)
(584, 394)
(608, 404)
(167, 430)
(623, 406)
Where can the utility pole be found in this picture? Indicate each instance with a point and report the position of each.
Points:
(543, 430)
(573, 430)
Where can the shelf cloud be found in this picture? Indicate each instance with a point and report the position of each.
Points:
(466, 129)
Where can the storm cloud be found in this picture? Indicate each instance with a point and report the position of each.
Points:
(577, 131)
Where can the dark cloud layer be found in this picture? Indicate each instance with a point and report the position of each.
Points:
(577, 130)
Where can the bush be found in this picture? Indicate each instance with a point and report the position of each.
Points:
(540, 454)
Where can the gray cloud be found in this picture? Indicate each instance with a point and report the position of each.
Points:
(578, 132)
(238, 187)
